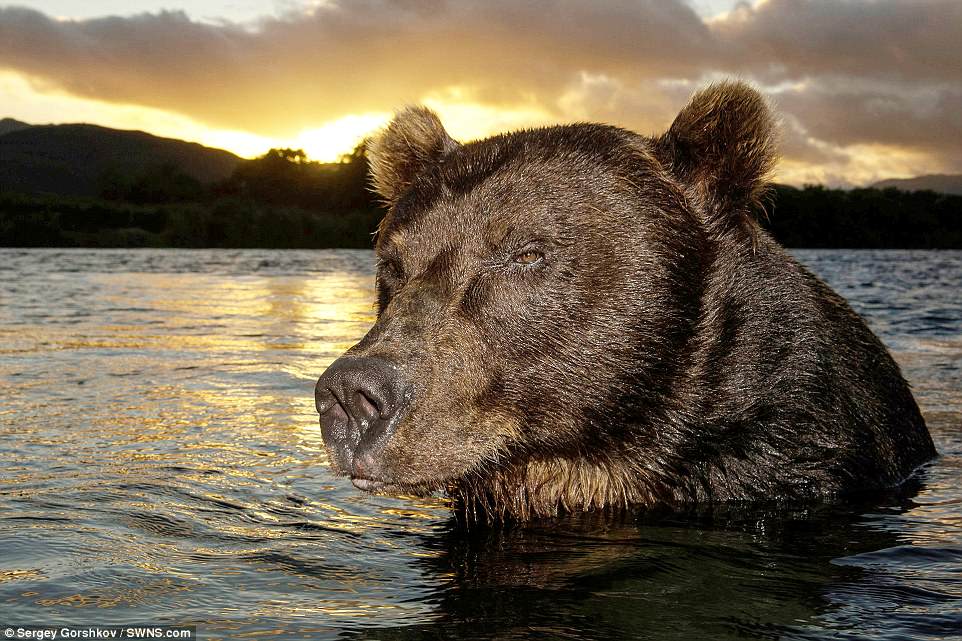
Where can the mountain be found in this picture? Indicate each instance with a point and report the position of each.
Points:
(77, 159)
(942, 183)
(9, 124)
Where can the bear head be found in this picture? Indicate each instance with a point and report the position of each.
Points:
(537, 292)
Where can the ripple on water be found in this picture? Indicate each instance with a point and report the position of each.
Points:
(162, 463)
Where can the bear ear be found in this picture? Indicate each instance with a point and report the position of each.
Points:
(412, 141)
(722, 144)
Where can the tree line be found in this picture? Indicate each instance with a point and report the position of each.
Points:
(284, 200)
(280, 200)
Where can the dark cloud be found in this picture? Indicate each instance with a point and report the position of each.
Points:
(798, 144)
(860, 71)
(882, 39)
(924, 118)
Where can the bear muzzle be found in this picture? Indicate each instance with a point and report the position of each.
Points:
(360, 400)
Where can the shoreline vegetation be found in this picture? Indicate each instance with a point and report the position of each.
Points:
(283, 200)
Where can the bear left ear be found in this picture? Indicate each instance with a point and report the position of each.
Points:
(412, 141)
(723, 146)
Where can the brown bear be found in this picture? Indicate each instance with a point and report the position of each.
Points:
(581, 317)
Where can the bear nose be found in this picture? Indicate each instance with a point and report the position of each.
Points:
(359, 399)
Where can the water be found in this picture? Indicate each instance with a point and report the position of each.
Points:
(161, 463)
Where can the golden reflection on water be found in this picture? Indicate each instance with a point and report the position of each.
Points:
(182, 408)
(166, 458)
(31, 574)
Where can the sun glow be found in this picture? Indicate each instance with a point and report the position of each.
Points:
(329, 141)
(36, 103)
(467, 119)
(464, 115)
(858, 165)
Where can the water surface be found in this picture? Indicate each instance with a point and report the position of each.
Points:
(162, 464)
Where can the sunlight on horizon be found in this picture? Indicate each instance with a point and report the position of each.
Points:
(37, 104)
(464, 117)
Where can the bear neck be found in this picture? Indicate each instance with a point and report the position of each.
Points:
(551, 486)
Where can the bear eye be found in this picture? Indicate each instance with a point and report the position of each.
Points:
(391, 269)
(528, 257)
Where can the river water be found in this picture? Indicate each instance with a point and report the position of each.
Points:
(161, 463)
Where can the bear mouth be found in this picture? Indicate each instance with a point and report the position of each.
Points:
(388, 488)
(373, 486)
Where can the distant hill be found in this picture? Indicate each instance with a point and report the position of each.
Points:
(9, 124)
(76, 159)
(941, 183)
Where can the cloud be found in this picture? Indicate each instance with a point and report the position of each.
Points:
(366, 55)
(926, 118)
(847, 74)
(881, 39)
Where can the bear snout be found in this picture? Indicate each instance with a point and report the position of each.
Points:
(360, 401)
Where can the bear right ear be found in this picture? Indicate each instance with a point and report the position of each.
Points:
(722, 145)
(413, 140)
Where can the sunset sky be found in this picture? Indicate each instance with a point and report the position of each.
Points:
(867, 89)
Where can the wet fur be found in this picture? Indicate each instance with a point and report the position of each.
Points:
(670, 353)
